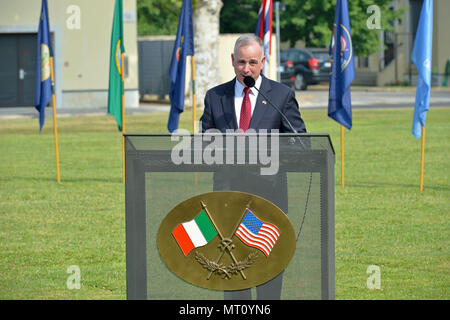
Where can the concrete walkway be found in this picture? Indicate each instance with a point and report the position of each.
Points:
(31, 112)
(314, 97)
(374, 97)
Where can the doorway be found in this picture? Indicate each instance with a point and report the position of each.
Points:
(18, 69)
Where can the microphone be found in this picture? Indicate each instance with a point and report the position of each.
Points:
(250, 82)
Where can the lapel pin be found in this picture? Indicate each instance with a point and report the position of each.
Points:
(264, 102)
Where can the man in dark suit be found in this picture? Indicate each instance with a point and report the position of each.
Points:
(232, 106)
(223, 104)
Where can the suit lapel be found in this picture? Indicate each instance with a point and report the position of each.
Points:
(261, 103)
(228, 105)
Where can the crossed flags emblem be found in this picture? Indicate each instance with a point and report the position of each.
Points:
(251, 230)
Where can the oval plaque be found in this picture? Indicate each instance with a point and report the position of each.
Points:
(226, 240)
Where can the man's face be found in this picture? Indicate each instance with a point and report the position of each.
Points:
(249, 61)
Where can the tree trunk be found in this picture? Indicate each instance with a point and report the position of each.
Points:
(206, 46)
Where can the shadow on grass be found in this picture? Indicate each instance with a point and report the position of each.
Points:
(384, 184)
(63, 179)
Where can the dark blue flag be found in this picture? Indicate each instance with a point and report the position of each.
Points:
(342, 69)
(184, 46)
(421, 56)
(43, 91)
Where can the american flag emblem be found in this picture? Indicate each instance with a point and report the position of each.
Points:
(256, 233)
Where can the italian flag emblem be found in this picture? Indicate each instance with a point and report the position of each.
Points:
(195, 233)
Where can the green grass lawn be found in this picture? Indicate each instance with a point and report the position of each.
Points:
(381, 218)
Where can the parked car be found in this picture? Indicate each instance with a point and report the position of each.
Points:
(302, 67)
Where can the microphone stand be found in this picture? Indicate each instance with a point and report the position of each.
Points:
(250, 82)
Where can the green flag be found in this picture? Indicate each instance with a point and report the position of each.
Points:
(115, 68)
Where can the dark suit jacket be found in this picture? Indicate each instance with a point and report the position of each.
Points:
(220, 114)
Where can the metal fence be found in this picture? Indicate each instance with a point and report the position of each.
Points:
(154, 64)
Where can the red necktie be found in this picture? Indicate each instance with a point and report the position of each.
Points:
(246, 111)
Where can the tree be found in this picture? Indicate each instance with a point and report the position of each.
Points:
(312, 21)
(307, 20)
(158, 17)
(239, 16)
(206, 43)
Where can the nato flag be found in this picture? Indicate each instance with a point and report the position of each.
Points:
(343, 68)
(184, 46)
(421, 56)
(43, 91)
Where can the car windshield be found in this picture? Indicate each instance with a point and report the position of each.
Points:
(321, 56)
(284, 56)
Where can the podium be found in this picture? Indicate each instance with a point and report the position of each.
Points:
(293, 171)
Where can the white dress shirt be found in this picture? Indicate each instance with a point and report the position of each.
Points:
(239, 96)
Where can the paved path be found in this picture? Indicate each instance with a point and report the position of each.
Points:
(314, 97)
(374, 98)
(31, 112)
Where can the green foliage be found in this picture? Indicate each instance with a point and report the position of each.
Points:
(239, 16)
(312, 21)
(308, 20)
(366, 41)
(158, 17)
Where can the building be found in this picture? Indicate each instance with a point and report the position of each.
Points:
(81, 35)
(392, 64)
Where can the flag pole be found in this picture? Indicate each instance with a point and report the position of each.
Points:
(123, 113)
(422, 158)
(194, 115)
(55, 128)
(342, 156)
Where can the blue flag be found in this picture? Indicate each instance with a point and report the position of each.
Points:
(342, 69)
(421, 57)
(184, 46)
(43, 91)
